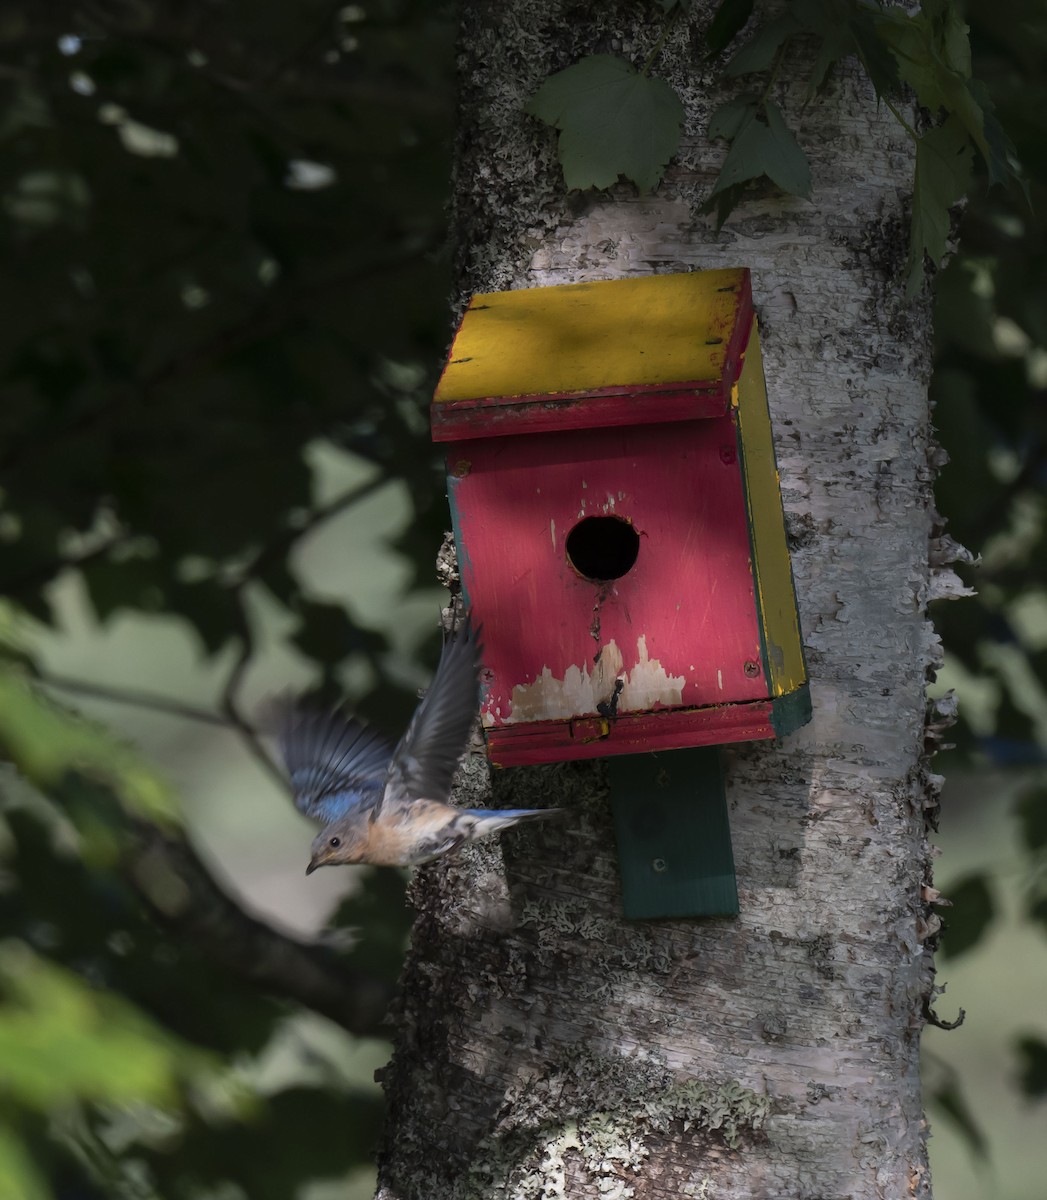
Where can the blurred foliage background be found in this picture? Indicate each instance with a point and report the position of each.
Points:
(224, 304)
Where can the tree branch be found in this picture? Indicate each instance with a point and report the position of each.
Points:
(231, 708)
(180, 892)
(130, 696)
(230, 717)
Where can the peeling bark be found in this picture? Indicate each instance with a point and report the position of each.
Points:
(545, 1046)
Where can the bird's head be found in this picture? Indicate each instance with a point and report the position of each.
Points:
(340, 842)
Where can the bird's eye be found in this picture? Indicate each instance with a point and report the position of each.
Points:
(334, 843)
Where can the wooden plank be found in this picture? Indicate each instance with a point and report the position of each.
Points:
(560, 741)
(655, 329)
(772, 567)
(674, 839)
(502, 416)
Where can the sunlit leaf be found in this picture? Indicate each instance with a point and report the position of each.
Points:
(61, 1039)
(19, 1177)
(44, 743)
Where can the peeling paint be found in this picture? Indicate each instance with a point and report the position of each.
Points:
(646, 686)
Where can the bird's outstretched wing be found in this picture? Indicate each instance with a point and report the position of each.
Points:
(428, 754)
(336, 763)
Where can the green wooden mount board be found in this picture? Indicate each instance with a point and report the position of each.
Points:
(674, 840)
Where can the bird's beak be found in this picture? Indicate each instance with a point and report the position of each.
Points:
(312, 867)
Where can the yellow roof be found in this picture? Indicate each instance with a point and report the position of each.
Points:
(650, 330)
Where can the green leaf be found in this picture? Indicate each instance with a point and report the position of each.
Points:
(758, 53)
(730, 117)
(1033, 1053)
(728, 20)
(836, 44)
(613, 121)
(765, 149)
(327, 635)
(130, 583)
(877, 59)
(1001, 152)
(972, 912)
(786, 163)
(932, 50)
(214, 612)
(45, 743)
(846, 27)
(61, 1039)
(943, 171)
(18, 1176)
(950, 34)
(724, 202)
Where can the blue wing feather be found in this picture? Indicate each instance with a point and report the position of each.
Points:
(337, 765)
(428, 754)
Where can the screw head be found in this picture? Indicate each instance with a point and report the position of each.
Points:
(751, 668)
(659, 865)
(461, 468)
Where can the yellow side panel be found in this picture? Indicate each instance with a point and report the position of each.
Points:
(656, 329)
(774, 580)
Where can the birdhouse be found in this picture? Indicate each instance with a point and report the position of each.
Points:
(618, 519)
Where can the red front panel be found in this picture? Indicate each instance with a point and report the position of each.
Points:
(679, 629)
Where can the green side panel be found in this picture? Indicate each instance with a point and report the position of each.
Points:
(789, 713)
(674, 840)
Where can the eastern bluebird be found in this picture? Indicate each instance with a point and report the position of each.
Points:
(390, 807)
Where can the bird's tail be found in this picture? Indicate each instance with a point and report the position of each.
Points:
(483, 821)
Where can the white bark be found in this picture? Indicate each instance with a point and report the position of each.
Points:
(545, 1046)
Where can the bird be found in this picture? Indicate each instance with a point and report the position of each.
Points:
(389, 806)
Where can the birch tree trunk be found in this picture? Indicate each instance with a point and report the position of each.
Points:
(544, 1045)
